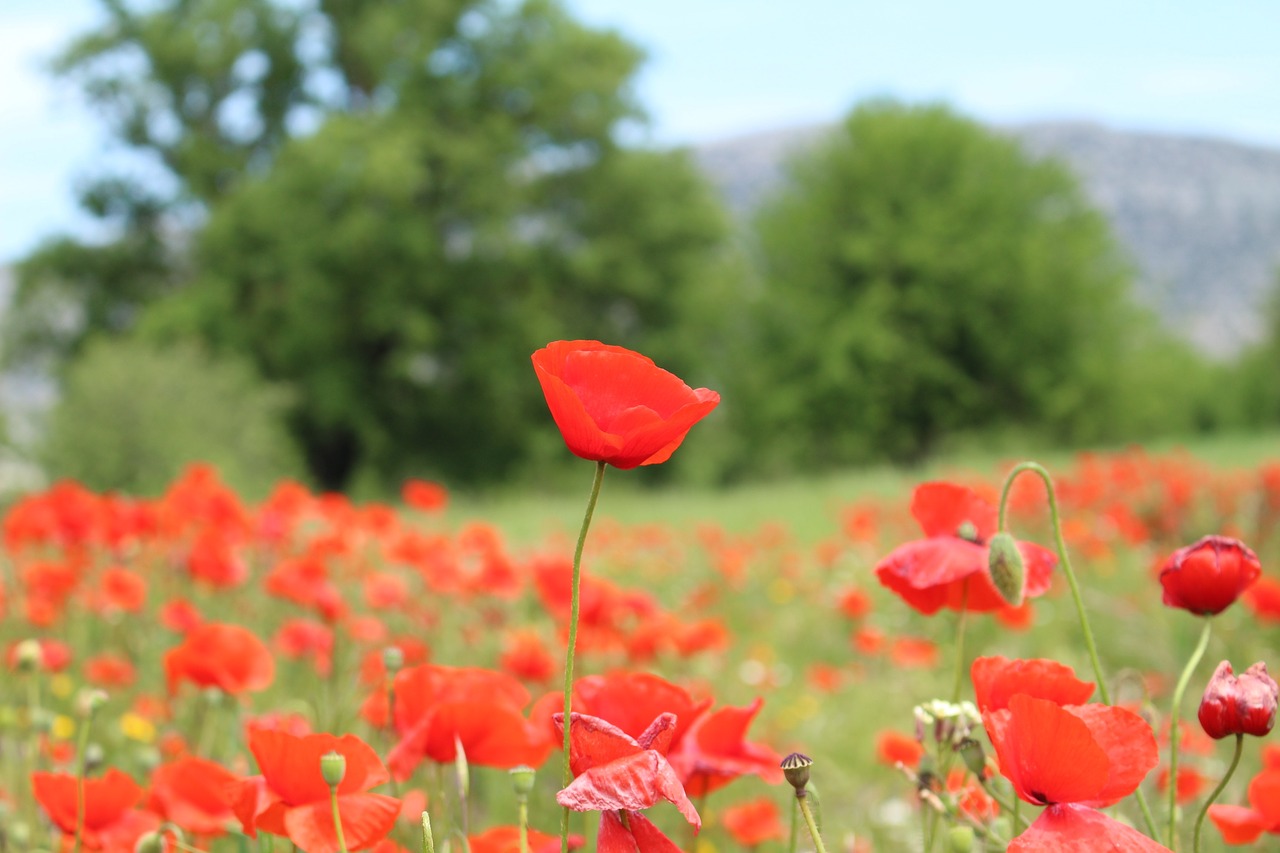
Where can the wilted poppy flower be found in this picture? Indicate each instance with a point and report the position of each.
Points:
(614, 772)
(221, 655)
(110, 820)
(291, 799)
(1243, 705)
(949, 568)
(616, 406)
(1207, 576)
(1073, 759)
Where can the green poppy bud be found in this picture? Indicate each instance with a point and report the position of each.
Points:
(333, 767)
(960, 839)
(522, 779)
(1008, 574)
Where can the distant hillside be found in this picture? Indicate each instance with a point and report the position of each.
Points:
(1200, 217)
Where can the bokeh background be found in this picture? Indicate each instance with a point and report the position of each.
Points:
(320, 239)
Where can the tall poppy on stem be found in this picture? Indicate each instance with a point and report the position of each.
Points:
(613, 407)
(1205, 578)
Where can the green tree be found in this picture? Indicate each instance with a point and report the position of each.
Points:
(923, 277)
(389, 206)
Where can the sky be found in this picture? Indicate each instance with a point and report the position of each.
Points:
(723, 68)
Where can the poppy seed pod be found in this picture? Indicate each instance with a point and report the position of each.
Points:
(333, 767)
(1239, 705)
(796, 769)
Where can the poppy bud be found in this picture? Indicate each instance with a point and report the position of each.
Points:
(1004, 562)
(392, 659)
(796, 768)
(973, 756)
(428, 838)
(1208, 576)
(960, 839)
(1243, 705)
(151, 842)
(333, 767)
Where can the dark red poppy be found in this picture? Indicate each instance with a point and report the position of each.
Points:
(949, 568)
(715, 751)
(1239, 705)
(290, 798)
(195, 794)
(616, 406)
(614, 772)
(110, 820)
(1206, 577)
(220, 655)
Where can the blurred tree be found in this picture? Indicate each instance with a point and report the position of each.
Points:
(925, 277)
(1258, 368)
(388, 206)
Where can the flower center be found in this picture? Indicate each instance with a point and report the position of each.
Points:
(967, 531)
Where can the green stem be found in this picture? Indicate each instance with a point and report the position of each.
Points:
(960, 627)
(1235, 760)
(810, 822)
(567, 774)
(524, 825)
(1005, 806)
(82, 745)
(795, 825)
(337, 818)
(1061, 545)
(1175, 734)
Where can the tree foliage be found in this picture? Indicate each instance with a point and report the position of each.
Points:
(923, 277)
(388, 206)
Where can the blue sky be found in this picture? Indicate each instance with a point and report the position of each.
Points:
(720, 68)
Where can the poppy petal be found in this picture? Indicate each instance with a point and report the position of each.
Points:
(1237, 824)
(941, 509)
(632, 783)
(1048, 753)
(1130, 746)
(366, 818)
(997, 678)
(613, 836)
(1078, 829)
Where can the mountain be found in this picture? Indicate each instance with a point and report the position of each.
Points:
(1200, 218)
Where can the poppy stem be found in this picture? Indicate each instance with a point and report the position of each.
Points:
(810, 822)
(1204, 810)
(795, 825)
(1061, 546)
(567, 773)
(337, 818)
(82, 746)
(961, 623)
(1174, 715)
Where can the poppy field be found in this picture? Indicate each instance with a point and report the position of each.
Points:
(994, 659)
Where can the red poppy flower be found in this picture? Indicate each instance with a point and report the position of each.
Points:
(633, 700)
(1067, 828)
(996, 679)
(110, 820)
(1073, 759)
(1243, 825)
(290, 798)
(440, 708)
(715, 751)
(754, 822)
(424, 495)
(616, 406)
(195, 794)
(615, 772)
(893, 748)
(221, 655)
(506, 839)
(949, 567)
(1207, 576)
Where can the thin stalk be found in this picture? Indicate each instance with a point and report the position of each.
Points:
(523, 819)
(567, 774)
(795, 825)
(961, 623)
(1174, 733)
(1235, 760)
(1061, 546)
(337, 818)
(810, 822)
(82, 745)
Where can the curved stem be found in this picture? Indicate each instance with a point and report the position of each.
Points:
(1235, 760)
(810, 822)
(1061, 546)
(1175, 734)
(1005, 806)
(567, 774)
